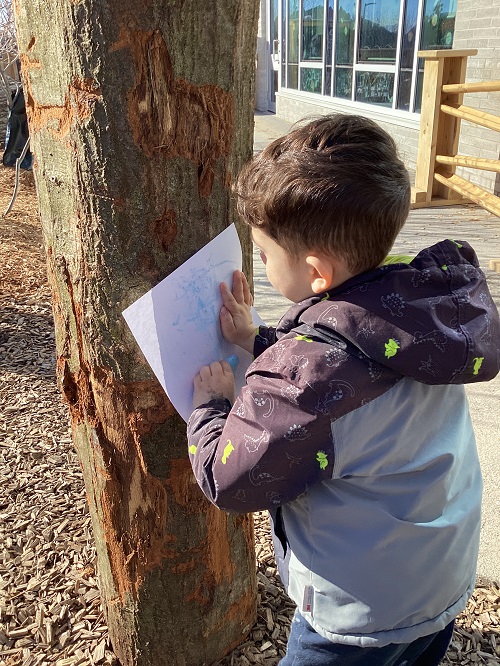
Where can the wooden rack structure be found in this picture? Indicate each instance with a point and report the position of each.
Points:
(442, 110)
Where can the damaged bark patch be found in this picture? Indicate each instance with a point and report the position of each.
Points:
(219, 557)
(170, 115)
(77, 107)
(183, 486)
(164, 229)
(242, 614)
(132, 503)
(219, 569)
(216, 567)
(29, 63)
(110, 418)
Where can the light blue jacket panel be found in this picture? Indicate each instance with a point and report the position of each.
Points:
(387, 548)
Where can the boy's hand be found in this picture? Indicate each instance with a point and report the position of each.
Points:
(235, 316)
(214, 381)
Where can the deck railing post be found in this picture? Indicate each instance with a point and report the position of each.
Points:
(439, 132)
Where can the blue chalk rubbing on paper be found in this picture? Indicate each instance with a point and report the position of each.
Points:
(233, 361)
(199, 295)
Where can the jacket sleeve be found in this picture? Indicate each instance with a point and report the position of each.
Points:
(270, 447)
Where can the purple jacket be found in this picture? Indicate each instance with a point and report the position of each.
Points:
(356, 387)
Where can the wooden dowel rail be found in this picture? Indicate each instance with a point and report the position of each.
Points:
(477, 86)
(471, 162)
(471, 191)
(441, 115)
(472, 115)
(446, 54)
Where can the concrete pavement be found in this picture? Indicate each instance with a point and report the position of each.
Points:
(425, 227)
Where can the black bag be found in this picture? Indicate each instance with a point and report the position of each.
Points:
(17, 133)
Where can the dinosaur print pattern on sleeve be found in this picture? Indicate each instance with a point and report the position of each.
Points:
(279, 431)
(332, 354)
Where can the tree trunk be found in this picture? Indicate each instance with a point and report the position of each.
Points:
(140, 115)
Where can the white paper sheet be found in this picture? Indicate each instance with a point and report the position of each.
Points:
(176, 324)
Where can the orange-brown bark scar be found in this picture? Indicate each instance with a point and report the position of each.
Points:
(221, 565)
(164, 229)
(170, 115)
(78, 105)
(132, 504)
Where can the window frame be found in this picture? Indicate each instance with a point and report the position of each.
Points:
(326, 96)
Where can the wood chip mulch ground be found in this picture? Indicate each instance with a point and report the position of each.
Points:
(50, 610)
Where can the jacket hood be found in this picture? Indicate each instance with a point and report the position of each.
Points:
(433, 319)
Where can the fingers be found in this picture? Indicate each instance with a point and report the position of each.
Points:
(220, 368)
(212, 382)
(226, 368)
(226, 294)
(241, 289)
(238, 286)
(228, 300)
(205, 373)
(247, 296)
(214, 370)
(240, 293)
(229, 303)
(226, 321)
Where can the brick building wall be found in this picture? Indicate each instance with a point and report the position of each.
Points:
(478, 27)
(291, 108)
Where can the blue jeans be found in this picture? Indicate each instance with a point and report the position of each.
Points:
(307, 648)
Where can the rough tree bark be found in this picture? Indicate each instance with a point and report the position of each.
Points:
(140, 114)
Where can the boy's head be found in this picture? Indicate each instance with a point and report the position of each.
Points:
(335, 186)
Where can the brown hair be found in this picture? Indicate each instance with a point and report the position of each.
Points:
(334, 185)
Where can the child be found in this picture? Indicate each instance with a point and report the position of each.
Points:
(353, 427)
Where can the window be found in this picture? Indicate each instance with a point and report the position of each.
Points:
(438, 26)
(312, 29)
(375, 88)
(293, 45)
(344, 47)
(378, 31)
(407, 54)
(363, 50)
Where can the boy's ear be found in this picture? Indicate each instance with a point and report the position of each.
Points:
(321, 271)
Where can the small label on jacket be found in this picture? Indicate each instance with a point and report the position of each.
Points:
(307, 602)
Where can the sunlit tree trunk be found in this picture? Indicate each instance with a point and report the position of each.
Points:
(140, 115)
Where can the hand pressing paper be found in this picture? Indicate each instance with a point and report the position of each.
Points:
(176, 324)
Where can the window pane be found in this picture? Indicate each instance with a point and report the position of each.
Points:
(293, 32)
(438, 24)
(312, 29)
(407, 54)
(343, 82)
(293, 76)
(404, 90)
(375, 88)
(346, 19)
(378, 30)
(328, 81)
(310, 79)
(418, 91)
(329, 32)
(409, 30)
